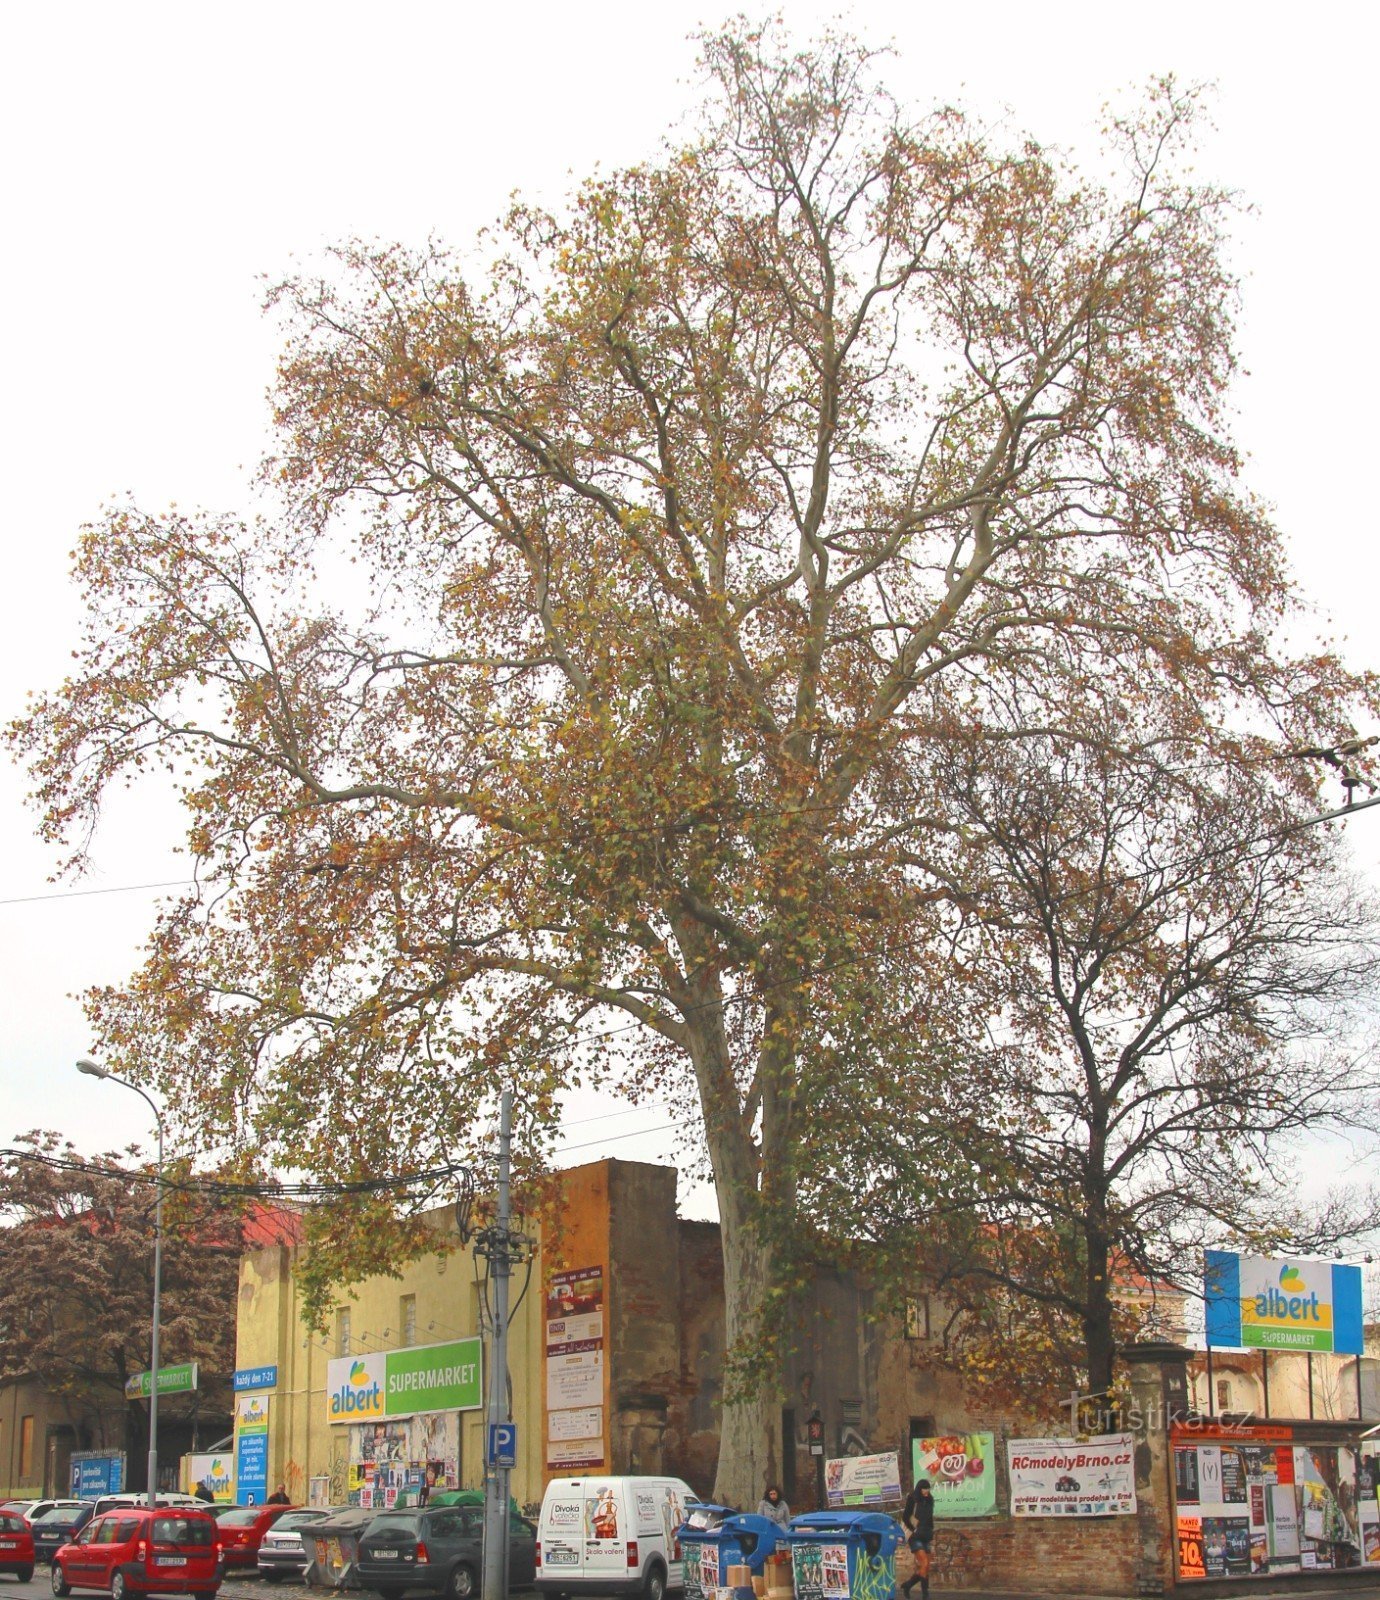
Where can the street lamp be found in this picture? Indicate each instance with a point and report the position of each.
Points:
(93, 1069)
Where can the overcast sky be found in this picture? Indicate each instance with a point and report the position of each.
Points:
(159, 159)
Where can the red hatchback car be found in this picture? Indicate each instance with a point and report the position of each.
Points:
(242, 1530)
(131, 1551)
(16, 1546)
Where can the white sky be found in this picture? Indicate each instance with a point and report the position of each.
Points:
(159, 158)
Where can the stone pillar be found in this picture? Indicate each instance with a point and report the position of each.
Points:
(1156, 1371)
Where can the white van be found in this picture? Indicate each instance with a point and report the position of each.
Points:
(611, 1535)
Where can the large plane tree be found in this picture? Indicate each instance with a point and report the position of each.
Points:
(574, 708)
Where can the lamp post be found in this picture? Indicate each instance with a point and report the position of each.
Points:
(93, 1069)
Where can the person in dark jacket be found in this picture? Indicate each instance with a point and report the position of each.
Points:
(205, 1492)
(918, 1517)
(279, 1497)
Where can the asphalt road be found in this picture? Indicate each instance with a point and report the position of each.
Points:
(236, 1587)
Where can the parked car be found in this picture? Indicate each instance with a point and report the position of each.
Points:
(16, 1546)
(56, 1527)
(438, 1550)
(114, 1502)
(242, 1529)
(132, 1550)
(281, 1552)
(32, 1510)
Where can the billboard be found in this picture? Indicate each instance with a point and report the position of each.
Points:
(1070, 1477)
(404, 1383)
(1281, 1303)
(961, 1469)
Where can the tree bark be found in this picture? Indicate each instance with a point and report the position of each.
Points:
(749, 1452)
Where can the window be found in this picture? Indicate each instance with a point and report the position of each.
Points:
(26, 1449)
(918, 1317)
(407, 1318)
(342, 1331)
(1223, 1394)
(183, 1530)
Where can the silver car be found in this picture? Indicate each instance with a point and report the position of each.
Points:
(280, 1550)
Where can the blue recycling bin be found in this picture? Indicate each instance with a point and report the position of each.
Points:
(834, 1553)
(701, 1537)
(747, 1540)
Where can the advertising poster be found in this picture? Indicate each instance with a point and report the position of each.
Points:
(572, 1455)
(251, 1449)
(1190, 1535)
(961, 1468)
(214, 1469)
(586, 1422)
(405, 1383)
(820, 1571)
(401, 1457)
(1282, 1511)
(578, 1293)
(863, 1481)
(1281, 1303)
(575, 1382)
(575, 1369)
(1066, 1477)
(98, 1472)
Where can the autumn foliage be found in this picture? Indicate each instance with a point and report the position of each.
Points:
(582, 704)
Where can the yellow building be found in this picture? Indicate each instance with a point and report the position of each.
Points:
(434, 1307)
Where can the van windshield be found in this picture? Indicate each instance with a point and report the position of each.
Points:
(182, 1530)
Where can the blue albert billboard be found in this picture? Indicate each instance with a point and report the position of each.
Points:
(1281, 1303)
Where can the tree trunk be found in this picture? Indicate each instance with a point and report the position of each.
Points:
(749, 1429)
(1098, 1337)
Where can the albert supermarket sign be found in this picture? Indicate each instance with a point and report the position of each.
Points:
(405, 1383)
(1281, 1303)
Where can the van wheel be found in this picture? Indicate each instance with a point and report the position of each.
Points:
(461, 1585)
(61, 1587)
(654, 1586)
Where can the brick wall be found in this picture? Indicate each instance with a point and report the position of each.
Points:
(1039, 1555)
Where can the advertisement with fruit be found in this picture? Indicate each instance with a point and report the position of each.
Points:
(960, 1468)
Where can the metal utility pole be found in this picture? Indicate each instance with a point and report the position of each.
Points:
(501, 1247)
(93, 1069)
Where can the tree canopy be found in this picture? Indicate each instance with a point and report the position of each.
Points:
(674, 536)
(1179, 977)
(76, 1284)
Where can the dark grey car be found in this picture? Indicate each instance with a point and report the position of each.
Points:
(439, 1552)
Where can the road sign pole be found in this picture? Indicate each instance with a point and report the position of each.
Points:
(500, 1247)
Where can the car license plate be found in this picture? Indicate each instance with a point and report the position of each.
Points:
(385, 1555)
(171, 1561)
(9, 1544)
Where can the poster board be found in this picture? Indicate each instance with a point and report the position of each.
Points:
(1070, 1477)
(962, 1472)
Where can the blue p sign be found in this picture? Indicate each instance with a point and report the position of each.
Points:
(503, 1444)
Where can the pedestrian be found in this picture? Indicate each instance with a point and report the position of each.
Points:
(773, 1507)
(279, 1497)
(205, 1492)
(918, 1517)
